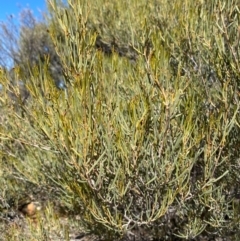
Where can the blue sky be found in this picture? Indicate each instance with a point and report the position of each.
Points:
(13, 7)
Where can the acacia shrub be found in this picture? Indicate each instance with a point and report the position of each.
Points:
(146, 145)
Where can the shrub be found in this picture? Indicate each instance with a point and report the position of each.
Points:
(149, 144)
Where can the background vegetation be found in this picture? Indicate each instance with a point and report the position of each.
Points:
(141, 141)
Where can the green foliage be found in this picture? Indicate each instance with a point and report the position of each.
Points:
(28, 46)
(150, 143)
